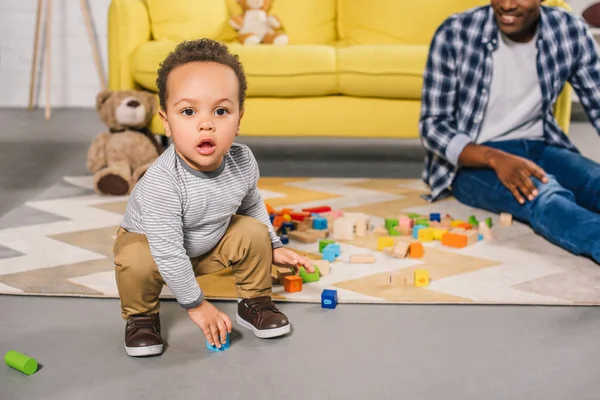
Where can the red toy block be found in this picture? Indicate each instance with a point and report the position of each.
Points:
(299, 216)
(292, 284)
(317, 210)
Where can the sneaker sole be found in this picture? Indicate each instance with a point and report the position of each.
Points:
(144, 351)
(264, 333)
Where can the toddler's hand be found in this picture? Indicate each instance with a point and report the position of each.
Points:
(283, 257)
(214, 324)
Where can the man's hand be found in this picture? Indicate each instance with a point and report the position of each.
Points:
(283, 257)
(515, 173)
(214, 324)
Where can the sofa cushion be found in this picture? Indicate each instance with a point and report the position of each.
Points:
(388, 71)
(301, 70)
(304, 21)
(178, 20)
(395, 21)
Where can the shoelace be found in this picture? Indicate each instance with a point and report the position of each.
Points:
(263, 305)
(144, 322)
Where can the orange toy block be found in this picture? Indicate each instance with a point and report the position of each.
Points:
(277, 221)
(457, 223)
(455, 240)
(416, 250)
(292, 284)
(270, 210)
(465, 226)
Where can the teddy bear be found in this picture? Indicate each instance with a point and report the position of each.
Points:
(256, 26)
(120, 157)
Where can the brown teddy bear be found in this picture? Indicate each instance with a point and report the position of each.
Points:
(256, 26)
(120, 157)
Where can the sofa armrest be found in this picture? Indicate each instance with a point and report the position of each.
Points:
(128, 27)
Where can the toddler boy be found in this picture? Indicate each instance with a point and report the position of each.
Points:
(198, 210)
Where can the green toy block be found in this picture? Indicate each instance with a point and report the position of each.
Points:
(488, 221)
(473, 221)
(324, 243)
(391, 222)
(308, 277)
(393, 232)
(415, 216)
(422, 222)
(21, 362)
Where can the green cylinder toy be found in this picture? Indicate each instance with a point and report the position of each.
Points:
(21, 362)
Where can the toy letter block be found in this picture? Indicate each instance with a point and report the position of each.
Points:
(343, 229)
(324, 243)
(223, 346)
(362, 259)
(292, 284)
(317, 210)
(308, 277)
(435, 217)
(282, 273)
(284, 239)
(505, 219)
(319, 223)
(331, 251)
(425, 235)
(323, 266)
(457, 240)
(391, 222)
(329, 298)
(416, 229)
(421, 278)
(360, 227)
(438, 233)
(416, 250)
(335, 247)
(384, 242)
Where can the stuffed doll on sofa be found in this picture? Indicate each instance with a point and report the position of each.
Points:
(120, 157)
(256, 26)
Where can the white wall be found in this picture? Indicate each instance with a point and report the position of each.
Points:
(74, 81)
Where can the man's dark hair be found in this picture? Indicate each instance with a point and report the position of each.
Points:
(201, 50)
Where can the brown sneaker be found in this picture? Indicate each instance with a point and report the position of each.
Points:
(262, 317)
(142, 336)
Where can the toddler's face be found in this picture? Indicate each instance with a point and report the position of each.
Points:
(203, 114)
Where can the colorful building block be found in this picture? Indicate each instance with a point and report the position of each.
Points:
(414, 216)
(299, 216)
(329, 298)
(457, 222)
(416, 229)
(335, 247)
(324, 243)
(438, 233)
(292, 284)
(401, 250)
(421, 278)
(457, 240)
(223, 346)
(473, 221)
(308, 277)
(416, 250)
(282, 273)
(319, 223)
(423, 222)
(286, 227)
(435, 217)
(284, 239)
(425, 235)
(384, 242)
(406, 222)
(329, 254)
(317, 210)
(488, 222)
(323, 266)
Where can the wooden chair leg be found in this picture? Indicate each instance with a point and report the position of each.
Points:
(48, 70)
(88, 24)
(36, 41)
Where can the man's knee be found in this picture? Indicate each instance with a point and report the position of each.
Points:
(549, 194)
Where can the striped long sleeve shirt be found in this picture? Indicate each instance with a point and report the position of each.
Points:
(458, 75)
(184, 213)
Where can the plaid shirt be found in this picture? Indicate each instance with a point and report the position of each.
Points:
(458, 75)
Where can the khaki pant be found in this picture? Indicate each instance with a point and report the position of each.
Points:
(246, 247)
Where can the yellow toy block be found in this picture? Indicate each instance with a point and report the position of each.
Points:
(457, 223)
(438, 233)
(425, 235)
(384, 242)
(421, 278)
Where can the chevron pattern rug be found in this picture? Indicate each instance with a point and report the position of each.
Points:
(60, 244)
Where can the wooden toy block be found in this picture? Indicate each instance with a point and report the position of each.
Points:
(447, 222)
(278, 221)
(416, 250)
(299, 216)
(270, 210)
(416, 229)
(391, 222)
(317, 210)
(505, 219)
(302, 226)
(303, 237)
(421, 278)
(457, 240)
(308, 277)
(324, 243)
(485, 231)
(435, 217)
(397, 280)
(465, 226)
(488, 222)
(286, 227)
(425, 235)
(473, 221)
(343, 229)
(438, 233)
(284, 239)
(414, 216)
(472, 236)
(423, 222)
(319, 223)
(380, 231)
(324, 267)
(337, 250)
(401, 250)
(362, 259)
(457, 223)
(329, 298)
(435, 224)
(321, 234)
(384, 242)
(292, 284)
(406, 223)
(282, 273)
(389, 250)
(329, 254)
(361, 227)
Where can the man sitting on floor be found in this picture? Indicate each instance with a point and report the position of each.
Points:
(492, 77)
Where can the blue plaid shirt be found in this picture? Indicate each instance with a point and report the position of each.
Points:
(458, 75)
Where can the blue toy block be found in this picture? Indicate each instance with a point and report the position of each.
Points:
(335, 247)
(320, 223)
(480, 237)
(286, 227)
(329, 298)
(416, 230)
(272, 217)
(284, 239)
(435, 217)
(223, 346)
(329, 254)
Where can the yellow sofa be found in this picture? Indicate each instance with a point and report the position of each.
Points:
(353, 68)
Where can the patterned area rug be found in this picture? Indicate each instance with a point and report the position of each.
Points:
(60, 244)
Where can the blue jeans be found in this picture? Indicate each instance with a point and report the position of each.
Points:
(566, 210)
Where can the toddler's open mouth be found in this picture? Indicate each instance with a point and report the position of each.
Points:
(206, 147)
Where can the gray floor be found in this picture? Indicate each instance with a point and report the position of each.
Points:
(376, 351)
